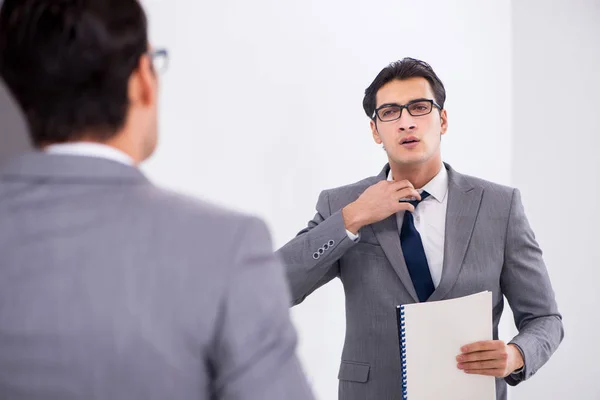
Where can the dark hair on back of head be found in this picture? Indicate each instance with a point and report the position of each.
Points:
(403, 69)
(68, 64)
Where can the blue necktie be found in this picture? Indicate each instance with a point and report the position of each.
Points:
(414, 254)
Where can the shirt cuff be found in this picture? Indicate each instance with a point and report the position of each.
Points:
(518, 371)
(352, 236)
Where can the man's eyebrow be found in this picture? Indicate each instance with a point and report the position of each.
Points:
(398, 104)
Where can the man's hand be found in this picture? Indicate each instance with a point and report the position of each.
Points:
(379, 202)
(492, 358)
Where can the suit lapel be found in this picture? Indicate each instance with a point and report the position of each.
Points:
(388, 236)
(463, 205)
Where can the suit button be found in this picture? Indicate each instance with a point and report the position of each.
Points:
(326, 246)
(331, 243)
(316, 256)
(321, 251)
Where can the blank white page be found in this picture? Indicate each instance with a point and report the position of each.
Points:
(434, 334)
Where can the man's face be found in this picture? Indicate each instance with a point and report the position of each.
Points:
(422, 132)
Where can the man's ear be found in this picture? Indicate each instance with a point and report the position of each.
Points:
(444, 121)
(142, 83)
(375, 132)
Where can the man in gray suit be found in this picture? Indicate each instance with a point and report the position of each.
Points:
(421, 231)
(111, 288)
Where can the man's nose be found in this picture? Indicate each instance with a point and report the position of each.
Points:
(407, 121)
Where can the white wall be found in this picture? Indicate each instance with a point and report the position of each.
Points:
(261, 110)
(556, 165)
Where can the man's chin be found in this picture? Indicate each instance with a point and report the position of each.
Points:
(408, 159)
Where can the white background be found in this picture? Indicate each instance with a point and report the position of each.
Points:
(261, 109)
(556, 164)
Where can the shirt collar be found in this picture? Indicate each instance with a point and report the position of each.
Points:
(437, 187)
(89, 149)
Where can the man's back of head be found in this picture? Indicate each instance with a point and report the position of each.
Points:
(81, 70)
(111, 288)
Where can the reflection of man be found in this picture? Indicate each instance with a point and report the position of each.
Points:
(13, 133)
(111, 288)
(460, 236)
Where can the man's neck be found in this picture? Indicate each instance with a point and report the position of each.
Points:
(124, 145)
(122, 141)
(89, 149)
(418, 175)
(118, 142)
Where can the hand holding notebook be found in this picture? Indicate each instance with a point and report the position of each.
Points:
(432, 335)
(490, 357)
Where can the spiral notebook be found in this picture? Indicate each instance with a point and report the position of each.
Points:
(431, 335)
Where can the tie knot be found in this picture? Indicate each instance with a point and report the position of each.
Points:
(424, 195)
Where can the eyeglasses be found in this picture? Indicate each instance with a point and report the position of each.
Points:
(160, 60)
(416, 108)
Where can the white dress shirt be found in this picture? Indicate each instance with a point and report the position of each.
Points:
(89, 149)
(430, 222)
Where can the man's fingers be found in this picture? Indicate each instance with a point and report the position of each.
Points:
(399, 185)
(482, 356)
(483, 346)
(404, 206)
(498, 373)
(478, 365)
(407, 193)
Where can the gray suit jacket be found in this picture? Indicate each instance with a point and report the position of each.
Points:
(111, 288)
(489, 245)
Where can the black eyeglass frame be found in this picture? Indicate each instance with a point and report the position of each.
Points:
(402, 107)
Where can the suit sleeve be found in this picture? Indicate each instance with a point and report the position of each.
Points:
(254, 352)
(526, 285)
(311, 259)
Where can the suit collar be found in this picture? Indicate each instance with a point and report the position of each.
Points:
(436, 187)
(454, 177)
(463, 205)
(90, 149)
(37, 165)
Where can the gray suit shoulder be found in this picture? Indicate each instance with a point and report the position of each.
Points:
(489, 185)
(491, 189)
(499, 198)
(190, 215)
(186, 204)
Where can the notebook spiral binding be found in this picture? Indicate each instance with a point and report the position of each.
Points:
(402, 338)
